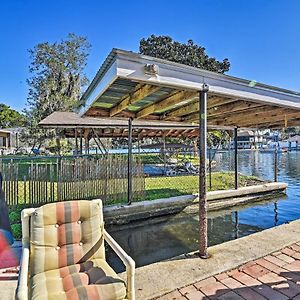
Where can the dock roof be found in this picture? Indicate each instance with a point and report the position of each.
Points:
(146, 88)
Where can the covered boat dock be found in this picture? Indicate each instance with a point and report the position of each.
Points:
(139, 91)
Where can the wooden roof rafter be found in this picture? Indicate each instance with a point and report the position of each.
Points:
(232, 107)
(212, 104)
(140, 92)
(173, 99)
(268, 115)
(285, 120)
(282, 124)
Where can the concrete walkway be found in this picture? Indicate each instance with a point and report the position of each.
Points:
(158, 279)
(275, 276)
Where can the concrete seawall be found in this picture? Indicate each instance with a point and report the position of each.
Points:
(121, 214)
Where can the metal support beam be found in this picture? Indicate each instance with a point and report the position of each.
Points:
(276, 164)
(202, 172)
(209, 168)
(129, 192)
(17, 140)
(81, 142)
(165, 157)
(86, 145)
(138, 142)
(98, 145)
(76, 142)
(236, 179)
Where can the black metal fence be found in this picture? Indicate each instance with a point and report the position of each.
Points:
(179, 176)
(35, 181)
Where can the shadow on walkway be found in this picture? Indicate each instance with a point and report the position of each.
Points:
(274, 277)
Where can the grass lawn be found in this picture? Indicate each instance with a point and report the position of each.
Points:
(164, 187)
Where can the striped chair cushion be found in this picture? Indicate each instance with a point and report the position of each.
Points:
(93, 280)
(64, 234)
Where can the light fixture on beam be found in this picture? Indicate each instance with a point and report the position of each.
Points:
(151, 69)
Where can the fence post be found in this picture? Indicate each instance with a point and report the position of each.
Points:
(25, 189)
(129, 188)
(57, 181)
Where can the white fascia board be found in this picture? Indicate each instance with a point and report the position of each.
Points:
(109, 77)
(131, 66)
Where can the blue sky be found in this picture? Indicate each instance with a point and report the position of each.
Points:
(261, 38)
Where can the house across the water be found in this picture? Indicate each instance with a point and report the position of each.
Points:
(9, 139)
(249, 139)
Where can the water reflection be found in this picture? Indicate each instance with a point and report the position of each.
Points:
(161, 238)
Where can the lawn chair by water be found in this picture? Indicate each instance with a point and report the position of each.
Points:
(64, 255)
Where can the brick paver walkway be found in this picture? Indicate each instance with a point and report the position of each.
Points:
(275, 277)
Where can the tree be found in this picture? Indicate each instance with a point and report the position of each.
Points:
(10, 117)
(188, 54)
(57, 81)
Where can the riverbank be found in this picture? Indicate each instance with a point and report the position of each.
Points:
(164, 277)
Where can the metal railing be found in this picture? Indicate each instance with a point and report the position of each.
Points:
(35, 181)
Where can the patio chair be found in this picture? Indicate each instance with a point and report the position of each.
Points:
(64, 256)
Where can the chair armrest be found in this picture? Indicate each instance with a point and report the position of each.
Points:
(128, 262)
(22, 288)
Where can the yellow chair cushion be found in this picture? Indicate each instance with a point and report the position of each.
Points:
(64, 234)
(93, 279)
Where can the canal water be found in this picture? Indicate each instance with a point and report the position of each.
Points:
(165, 237)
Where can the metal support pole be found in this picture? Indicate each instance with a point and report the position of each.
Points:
(209, 168)
(165, 158)
(236, 179)
(276, 164)
(17, 140)
(87, 145)
(138, 145)
(81, 146)
(129, 191)
(76, 142)
(202, 172)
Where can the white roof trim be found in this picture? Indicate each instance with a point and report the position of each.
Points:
(109, 77)
(130, 66)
